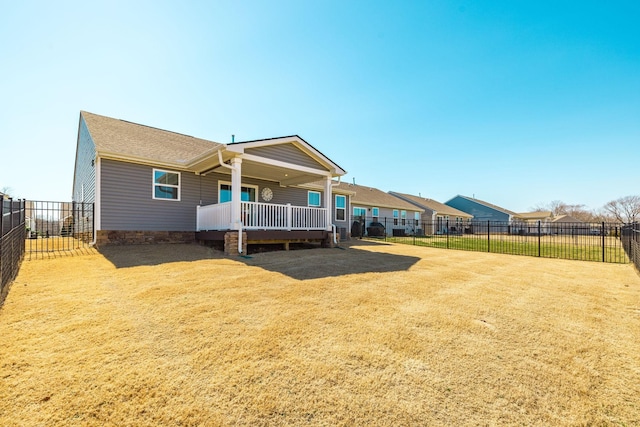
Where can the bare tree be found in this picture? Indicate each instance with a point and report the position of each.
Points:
(6, 191)
(625, 209)
(558, 207)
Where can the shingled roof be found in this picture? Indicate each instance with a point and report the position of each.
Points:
(439, 208)
(487, 204)
(371, 196)
(122, 139)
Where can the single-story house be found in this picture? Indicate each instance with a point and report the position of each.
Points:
(375, 212)
(437, 217)
(567, 224)
(484, 213)
(152, 185)
(532, 222)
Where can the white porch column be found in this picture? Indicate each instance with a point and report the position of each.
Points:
(328, 198)
(236, 191)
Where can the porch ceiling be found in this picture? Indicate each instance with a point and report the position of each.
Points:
(283, 175)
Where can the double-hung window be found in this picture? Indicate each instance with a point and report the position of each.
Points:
(375, 212)
(395, 216)
(341, 207)
(403, 215)
(313, 199)
(166, 185)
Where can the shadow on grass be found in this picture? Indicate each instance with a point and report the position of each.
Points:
(349, 258)
(124, 256)
(304, 264)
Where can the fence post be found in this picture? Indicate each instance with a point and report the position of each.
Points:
(447, 233)
(602, 234)
(415, 230)
(488, 235)
(538, 238)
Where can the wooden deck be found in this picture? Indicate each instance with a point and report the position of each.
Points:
(267, 237)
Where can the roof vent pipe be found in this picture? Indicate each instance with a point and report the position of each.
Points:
(233, 139)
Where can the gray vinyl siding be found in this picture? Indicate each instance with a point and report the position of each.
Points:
(127, 199)
(287, 153)
(84, 182)
(385, 217)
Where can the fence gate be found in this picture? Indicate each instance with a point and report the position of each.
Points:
(57, 228)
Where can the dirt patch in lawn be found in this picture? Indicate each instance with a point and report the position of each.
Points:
(372, 334)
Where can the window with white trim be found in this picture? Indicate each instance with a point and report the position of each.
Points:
(375, 212)
(313, 199)
(166, 185)
(247, 192)
(403, 215)
(359, 212)
(416, 217)
(341, 207)
(395, 216)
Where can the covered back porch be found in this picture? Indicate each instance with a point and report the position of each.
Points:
(261, 203)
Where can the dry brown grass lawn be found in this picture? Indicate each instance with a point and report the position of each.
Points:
(376, 334)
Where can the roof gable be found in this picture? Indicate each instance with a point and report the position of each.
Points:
(290, 147)
(486, 204)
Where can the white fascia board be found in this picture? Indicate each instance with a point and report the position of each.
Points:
(209, 153)
(300, 143)
(382, 205)
(334, 188)
(142, 161)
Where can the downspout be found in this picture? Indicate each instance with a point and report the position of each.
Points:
(240, 237)
(222, 163)
(96, 200)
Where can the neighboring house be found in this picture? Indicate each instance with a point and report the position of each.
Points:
(532, 222)
(370, 205)
(484, 214)
(437, 217)
(152, 185)
(481, 210)
(566, 224)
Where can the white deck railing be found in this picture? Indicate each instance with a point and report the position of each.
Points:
(262, 216)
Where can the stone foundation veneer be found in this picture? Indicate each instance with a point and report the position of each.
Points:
(125, 237)
(231, 243)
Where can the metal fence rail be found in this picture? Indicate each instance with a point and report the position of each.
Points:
(12, 234)
(57, 228)
(577, 241)
(631, 242)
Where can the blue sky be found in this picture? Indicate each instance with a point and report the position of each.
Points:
(517, 103)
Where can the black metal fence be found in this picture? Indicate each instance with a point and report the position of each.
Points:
(631, 242)
(12, 234)
(57, 228)
(578, 241)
